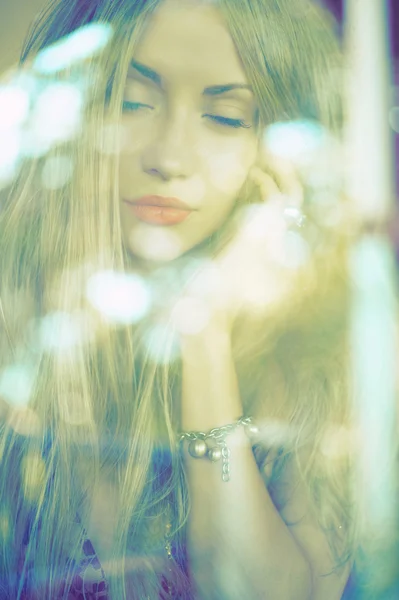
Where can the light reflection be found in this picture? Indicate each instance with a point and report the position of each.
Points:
(256, 290)
(338, 442)
(33, 146)
(25, 421)
(190, 315)
(16, 383)
(74, 48)
(60, 331)
(162, 347)
(327, 211)
(57, 171)
(255, 222)
(32, 474)
(10, 149)
(156, 245)
(57, 115)
(203, 277)
(295, 140)
(276, 432)
(14, 106)
(294, 216)
(120, 297)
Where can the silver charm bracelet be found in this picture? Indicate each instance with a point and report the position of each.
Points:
(198, 447)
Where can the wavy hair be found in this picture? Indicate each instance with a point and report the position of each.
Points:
(108, 389)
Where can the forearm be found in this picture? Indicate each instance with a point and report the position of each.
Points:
(238, 545)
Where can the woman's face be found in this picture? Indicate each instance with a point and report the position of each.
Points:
(189, 121)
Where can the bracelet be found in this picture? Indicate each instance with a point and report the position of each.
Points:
(198, 448)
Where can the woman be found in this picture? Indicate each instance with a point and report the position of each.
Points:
(173, 110)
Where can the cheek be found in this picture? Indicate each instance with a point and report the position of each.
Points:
(131, 142)
(228, 170)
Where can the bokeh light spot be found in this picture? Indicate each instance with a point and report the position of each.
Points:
(16, 383)
(14, 106)
(295, 139)
(255, 289)
(256, 222)
(294, 216)
(190, 315)
(25, 422)
(57, 114)
(34, 146)
(57, 171)
(77, 46)
(156, 245)
(10, 150)
(276, 432)
(60, 331)
(32, 474)
(338, 442)
(120, 297)
(161, 345)
(203, 276)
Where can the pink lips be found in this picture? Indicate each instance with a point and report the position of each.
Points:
(158, 210)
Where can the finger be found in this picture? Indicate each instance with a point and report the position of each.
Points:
(259, 244)
(287, 179)
(267, 184)
(284, 172)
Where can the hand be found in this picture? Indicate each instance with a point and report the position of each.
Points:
(250, 275)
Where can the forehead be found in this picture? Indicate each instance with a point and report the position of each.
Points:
(186, 38)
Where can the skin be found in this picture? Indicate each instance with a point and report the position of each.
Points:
(175, 148)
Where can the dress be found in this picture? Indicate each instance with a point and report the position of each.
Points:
(89, 580)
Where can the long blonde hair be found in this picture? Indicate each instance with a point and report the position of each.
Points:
(108, 388)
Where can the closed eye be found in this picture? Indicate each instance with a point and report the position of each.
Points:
(225, 121)
(132, 106)
(236, 123)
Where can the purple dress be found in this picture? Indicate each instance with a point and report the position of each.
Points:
(89, 580)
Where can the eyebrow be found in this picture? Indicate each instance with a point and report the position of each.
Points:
(213, 90)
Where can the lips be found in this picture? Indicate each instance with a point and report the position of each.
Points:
(158, 210)
(160, 201)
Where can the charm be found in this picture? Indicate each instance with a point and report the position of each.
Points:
(214, 454)
(197, 448)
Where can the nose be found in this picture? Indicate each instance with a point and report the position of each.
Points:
(169, 155)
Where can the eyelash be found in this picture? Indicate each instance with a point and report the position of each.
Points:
(225, 121)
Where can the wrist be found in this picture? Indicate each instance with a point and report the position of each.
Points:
(213, 339)
(210, 395)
